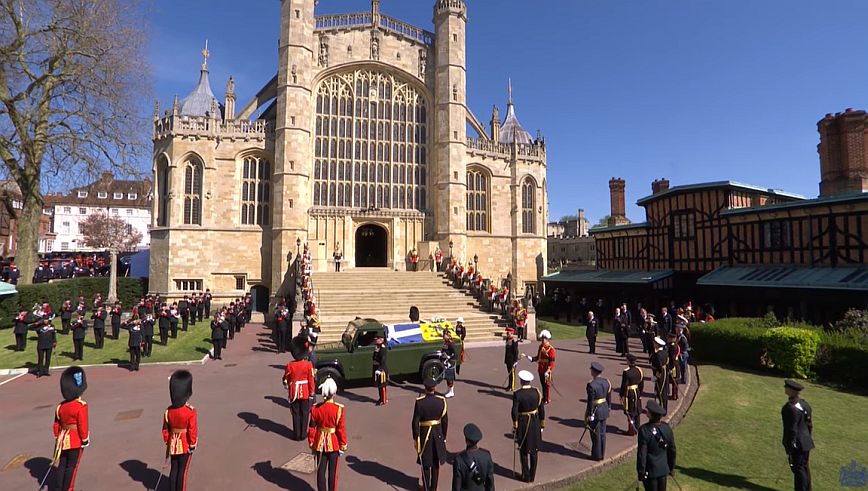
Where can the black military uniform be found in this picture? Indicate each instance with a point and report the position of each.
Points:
(592, 327)
(148, 333)
(173, 320)
(429, 426)
(191, 309)
(528, 421)
(116, 320)
(597, 411)
(184, 310)
(281, 325)
(200, 308)
(65, 316)
(164, 324)
(228, 331)
(208, 298)
(79, 328)
(684, 349)
(46, 340)
(461, 332)
(624, 324)
(510, 359)
(660, 368)
(20, 330)
(797, 440)
(98, 318)
(655, 456)
(135, 343)
(217, 334)
(674, 354)
(231, 319)
(381, 370)
(473, 469)
(632, 385)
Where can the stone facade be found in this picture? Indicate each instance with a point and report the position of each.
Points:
(363, 128)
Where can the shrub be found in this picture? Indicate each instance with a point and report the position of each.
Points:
(733, 341)
(129, 292)
(854, 321)
(841, 360)
(791, 350)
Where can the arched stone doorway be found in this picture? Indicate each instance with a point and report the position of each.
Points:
(371, 246)
(259, 297)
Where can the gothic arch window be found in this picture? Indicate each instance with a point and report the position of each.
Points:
(255, 191)
(193, 169)
(375, 112)
(477, 200)
(163, 185)
(528, 203)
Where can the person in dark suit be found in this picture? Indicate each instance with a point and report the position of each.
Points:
(116, 319)
(46, 340)
(184, 310)
(597, 412)
(592, 328)
(79, 328)
(134, 326)
(797, 440)
(655, 455)
(528, 421)
(148, 333)
(217, 337)
(616, 330)
(429, 426)
(473, 468)
(510, 358)
(664, 325)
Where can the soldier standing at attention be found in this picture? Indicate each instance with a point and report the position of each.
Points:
(208, 298)
(148, 333)
(327, 436)
(674, 353)
(134, 326)
(20, 329)
(338, 256)
(597, 411)
(617, 331)
(164, 324)
(116, 319)
(461, 332)
(545, 359)
(65, 316)
(79, 327)
(200, 307)
(473, 469)
(528, 421)
(281, 325)
(184, 308)
(173, 319)
(798, 442)
(510, 358)
(180, 428)
(98, 318)
(449, 361)
(592, 327)
(216, 337)
(71, 434)
(46, 340)
(191, 308)
(632, 385)
(381, 369)
(655, 456)
(660, 369)
(298, 380)
(429, 426)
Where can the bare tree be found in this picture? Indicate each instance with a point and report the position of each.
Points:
(101, 231)
(73, 81)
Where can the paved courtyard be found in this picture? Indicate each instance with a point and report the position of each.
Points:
(245, 423)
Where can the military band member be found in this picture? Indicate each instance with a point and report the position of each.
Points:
(450, 359)
(528, 421)
(98, 319)
(592, 328)
(298, 380)
(208, 298)
(134, 345)
(248, 308)
(184, 309)
(231, 319)
(163, 324)
(46, 340)
(81, 307)
(674, 353)
(655, 455)
(281, 325)
(115, 314)
(429, 426)
(173, 319)
(22, 323)
(200, 307)
(79, 327)
(180, 429)
(192, 308)
(461, 332)
(519, 317)
(632, 385)
(65, 316)
(545, 359)
(660, 369)
(71, 434)
(473, 469)
(510, 358)
(684, 350)
(381, 369)
(227, 323)
(327, 436)
(217, 337)
(597, 411)
(798, 423)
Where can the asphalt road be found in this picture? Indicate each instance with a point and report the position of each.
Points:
(245, 423)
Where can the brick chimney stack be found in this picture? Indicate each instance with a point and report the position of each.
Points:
(843, 153)
(618, 214)
(660, 185)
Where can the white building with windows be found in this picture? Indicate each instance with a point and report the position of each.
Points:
(130, 200)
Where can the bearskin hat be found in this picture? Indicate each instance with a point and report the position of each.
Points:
(73, 383)
(298, 347)
(180, 387)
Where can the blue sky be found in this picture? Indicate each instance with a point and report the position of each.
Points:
(690, 90)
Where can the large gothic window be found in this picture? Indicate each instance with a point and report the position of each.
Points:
(477, 200)
(527, 205)
(163, 192)
(255, 191)
(193, 192)
(371, 145)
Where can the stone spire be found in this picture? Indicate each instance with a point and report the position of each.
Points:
(494, 124)
(511, 131)
(201, 101)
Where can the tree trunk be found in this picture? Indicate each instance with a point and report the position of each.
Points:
(27, 225)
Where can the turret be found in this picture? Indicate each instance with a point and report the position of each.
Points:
(229, 101)
(495, 123)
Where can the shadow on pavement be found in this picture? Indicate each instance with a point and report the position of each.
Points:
(386, 474)
(140, 472)
(265, 424)
(496, 393)
(38, 466)
(720, 479)
(280, 401)
(280, 477)
(358, 397)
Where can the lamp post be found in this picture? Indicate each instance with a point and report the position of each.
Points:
(475, 260)
(450, 250)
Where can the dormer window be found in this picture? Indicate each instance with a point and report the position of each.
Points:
(102, 195)
(132, 196)
(82, 194)
(118, 195)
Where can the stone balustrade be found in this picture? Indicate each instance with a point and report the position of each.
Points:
(205, 127)
(366, 19)
(535, 151)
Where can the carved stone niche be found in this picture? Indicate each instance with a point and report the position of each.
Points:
(323, 58)
(423, 62)
(375, 45)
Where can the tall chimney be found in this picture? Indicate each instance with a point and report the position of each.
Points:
(842, 149)
(660, 185)
(618, 214)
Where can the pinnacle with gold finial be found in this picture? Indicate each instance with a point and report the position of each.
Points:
(205, 54)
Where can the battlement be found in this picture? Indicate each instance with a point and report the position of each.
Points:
(205, 127)
(338, 22)
(536, 151)
(451, 6)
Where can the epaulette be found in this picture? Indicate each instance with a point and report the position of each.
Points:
(627, 368)
(190, 406)
(338, 404)
(81, 401)
(421, 397)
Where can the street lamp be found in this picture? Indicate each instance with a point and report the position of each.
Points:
(450, 249)
(475, 260)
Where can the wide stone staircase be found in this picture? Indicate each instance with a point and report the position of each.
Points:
(387, 295)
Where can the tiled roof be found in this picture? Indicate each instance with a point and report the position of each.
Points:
(511, 130)
(853, 277)
(107, 184)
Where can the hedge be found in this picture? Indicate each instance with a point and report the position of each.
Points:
(734, 341)
(791, 350)
(842, 360)
(130, 290)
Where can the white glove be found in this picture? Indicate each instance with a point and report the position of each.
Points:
(529, 358)
(377, 373)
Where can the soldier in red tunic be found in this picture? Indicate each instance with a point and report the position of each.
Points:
(71, 433)
(545, 359)
(327, 436)
(298, 380)
(180, 429)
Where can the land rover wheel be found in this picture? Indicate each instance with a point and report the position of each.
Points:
(432, 369)
(329, 372)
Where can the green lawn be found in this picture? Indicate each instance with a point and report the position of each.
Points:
(190, 345)
(731, 437)
(562, 330)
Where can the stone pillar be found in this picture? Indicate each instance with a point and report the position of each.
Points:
(113, 277)
(531, 321)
